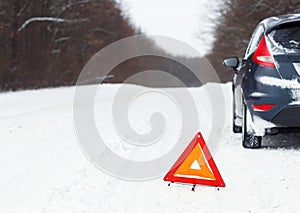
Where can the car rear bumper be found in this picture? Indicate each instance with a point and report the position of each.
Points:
(288, 117)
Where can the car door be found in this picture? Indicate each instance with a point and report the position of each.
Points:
(245, 66)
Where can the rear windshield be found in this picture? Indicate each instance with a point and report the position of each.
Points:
(286, 37)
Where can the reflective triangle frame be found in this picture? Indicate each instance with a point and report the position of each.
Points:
(217, 182)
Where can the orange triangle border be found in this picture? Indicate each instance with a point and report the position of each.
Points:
(198, 139)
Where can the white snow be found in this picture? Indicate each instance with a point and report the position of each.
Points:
(297, 67)
(44, 170)
(293, 85)
(282, 83)
(41, 19)
(259, 125)
(47, 19)
(277, 48)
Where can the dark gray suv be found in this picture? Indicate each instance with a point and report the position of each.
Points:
(266, 85)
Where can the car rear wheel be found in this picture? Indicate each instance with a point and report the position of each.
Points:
(250, 140)
(235, 128)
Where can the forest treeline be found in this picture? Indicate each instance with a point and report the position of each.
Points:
(238, 20)
(46, 43)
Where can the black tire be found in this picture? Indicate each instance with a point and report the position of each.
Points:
(235, 128)
(250, 140)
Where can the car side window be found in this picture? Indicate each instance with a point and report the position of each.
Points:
(256, 36)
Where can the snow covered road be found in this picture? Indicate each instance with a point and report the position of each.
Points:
(42, 168)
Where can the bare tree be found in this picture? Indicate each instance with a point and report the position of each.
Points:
(47, 42)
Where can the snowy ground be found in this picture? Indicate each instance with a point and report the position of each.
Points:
(42, 168)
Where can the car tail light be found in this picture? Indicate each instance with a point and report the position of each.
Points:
(263, 107)
(262, 55)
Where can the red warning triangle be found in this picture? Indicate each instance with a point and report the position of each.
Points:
(195, 166)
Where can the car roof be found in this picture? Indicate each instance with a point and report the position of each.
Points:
(272, 22)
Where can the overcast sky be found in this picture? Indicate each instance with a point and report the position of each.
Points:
(189, 21)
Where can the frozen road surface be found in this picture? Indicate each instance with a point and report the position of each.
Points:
(42, 167)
